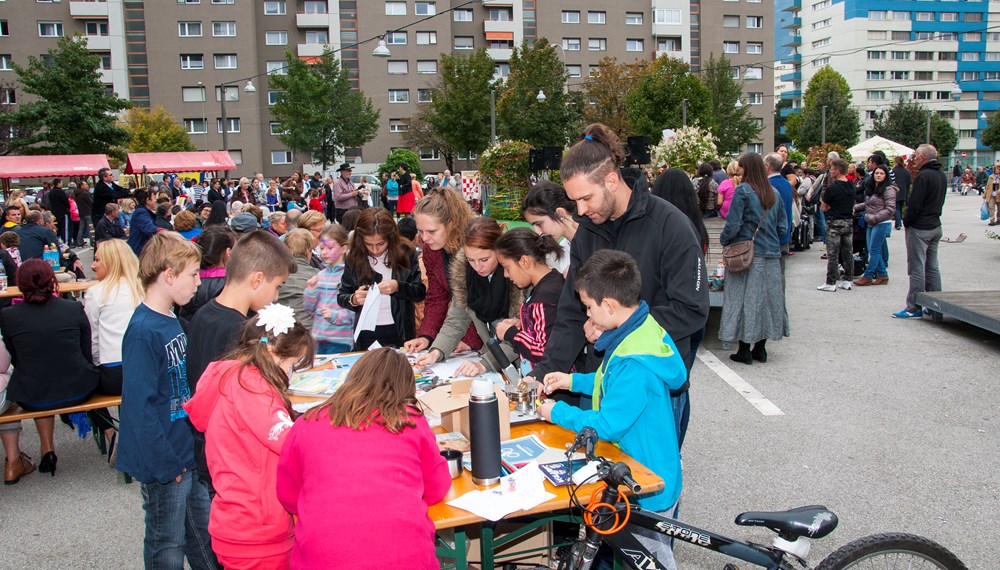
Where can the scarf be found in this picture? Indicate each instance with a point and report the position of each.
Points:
(488, 297)
(609, 340)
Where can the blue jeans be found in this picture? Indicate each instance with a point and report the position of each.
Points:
(819, 220)
(877, 250)
(324, 347)
(177, 525)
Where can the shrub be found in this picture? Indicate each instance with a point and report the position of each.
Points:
(503, 172)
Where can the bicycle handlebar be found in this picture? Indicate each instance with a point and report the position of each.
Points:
(614, 474)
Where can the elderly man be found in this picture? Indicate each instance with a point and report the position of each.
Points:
(345, 196)
(774, 164)
(109, 227)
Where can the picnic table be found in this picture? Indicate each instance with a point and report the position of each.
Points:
(69, 287)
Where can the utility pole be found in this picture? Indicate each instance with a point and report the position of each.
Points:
(824, 124)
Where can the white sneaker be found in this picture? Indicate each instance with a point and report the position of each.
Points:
(830, 288)
(846, 285)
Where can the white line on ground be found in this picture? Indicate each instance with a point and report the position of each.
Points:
(756, 399)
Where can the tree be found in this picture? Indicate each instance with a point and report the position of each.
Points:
(74, 113)
(320, 114)
(605, 92)
(732, 126)
(421, 134)
(906, 123)
(520, 116)
(401, 156)
(991, 134)
(829, 89)
(459, 113)
(656, 101)
(780, 122)
(154, 130)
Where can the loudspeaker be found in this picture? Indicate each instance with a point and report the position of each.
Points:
(638, 150)
(552, 157)
(536, 162)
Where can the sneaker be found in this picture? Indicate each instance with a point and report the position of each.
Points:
(845, 285)
(830, 288)
(905, 314)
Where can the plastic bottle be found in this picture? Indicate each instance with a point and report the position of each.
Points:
(3, 279)
(55, 254)
(720, 270)
(484, 433)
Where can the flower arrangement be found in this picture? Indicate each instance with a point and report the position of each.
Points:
(503, 172)
(686, 149)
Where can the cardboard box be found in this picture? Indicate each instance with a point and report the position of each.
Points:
(452, 404)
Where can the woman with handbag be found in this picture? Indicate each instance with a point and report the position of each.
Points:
(754, 307)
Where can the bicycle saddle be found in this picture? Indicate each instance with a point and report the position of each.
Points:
(815, 521)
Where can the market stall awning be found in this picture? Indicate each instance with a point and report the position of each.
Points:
(864, 149)
(35, 166)
(159, 162)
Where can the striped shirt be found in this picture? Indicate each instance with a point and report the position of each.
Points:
(340, 326)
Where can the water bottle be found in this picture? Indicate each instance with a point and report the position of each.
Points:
(3, 279)
(484, 433)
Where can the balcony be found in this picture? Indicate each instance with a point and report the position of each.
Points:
(311, 50)
(794, 6)
(675, 53)
(98, 43)
(793, 76)
(313, 20)
(789, 111)
(501, 26)
(795, 22)
(794, 94)
(88, 9)
(793, 58)
(794, 41)
(500, 54)
(106, 76)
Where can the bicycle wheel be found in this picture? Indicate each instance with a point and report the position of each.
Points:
(892, 550)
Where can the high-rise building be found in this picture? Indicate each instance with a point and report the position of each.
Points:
(943, 54)
(195, 57)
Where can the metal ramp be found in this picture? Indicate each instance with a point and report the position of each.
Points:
(978, 308)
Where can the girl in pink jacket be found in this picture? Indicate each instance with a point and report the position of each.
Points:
(241, 407)
(360, 470)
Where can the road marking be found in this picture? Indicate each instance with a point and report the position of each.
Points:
(756, 399)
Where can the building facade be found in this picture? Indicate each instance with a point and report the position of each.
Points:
(194, 57)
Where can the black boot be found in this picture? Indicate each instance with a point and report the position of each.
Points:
(759, 352)
(743, 354)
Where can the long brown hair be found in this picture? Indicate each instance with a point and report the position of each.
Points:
(380, 389)
(376, 222)
(450, 211)
(598, 152)
(252, 349)
(755, 175)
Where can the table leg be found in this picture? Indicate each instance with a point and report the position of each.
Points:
(486, 546)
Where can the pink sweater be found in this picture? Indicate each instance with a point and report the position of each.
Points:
(361, 497)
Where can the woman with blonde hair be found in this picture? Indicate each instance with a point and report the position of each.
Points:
(728, 187)
(243, 193)
(109, 306)
(17, 199)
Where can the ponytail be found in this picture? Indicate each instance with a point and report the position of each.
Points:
(598, 152)
(519, 242)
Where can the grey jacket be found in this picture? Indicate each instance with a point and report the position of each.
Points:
(882, 208)
(291, 292)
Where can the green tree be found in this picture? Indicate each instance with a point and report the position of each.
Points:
(320, 114)
(906, 123)
(656, 101)
(781, 122)
(401, 156)
(991, 134)
(421, 134)
(154, 130)
(74, 113)
(605, 92)
(732, 126)
(829, 89)
(459, 112)
(520, 116)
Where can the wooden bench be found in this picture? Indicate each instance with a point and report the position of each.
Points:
(714, 255)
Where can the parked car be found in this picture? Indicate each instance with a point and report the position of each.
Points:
(373, 184)
(29, 194)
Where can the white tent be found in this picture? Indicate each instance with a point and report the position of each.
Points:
(864, 149)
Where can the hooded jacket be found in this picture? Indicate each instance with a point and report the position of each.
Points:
(668, 251)
(926, 199)
(245, 424)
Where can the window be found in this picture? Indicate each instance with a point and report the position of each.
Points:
(462, 15)
(756, 147)
(570, 17)
(223, 1)
(571, 44)
(574, 70)
(193, 94)
(50, 29)
(501, 69)
(992, 75)
(6, 63)
(178, 1)
(224, 29)
(898, 36)
(944, 96)
(196, 126)
(395, 8)
(8, 97)
(875, 55)
(664, 16)
(399, 95)
(274, 8)
(236, 155)
(464, 42)
(466, 155)
(281, 157)
(4, 30)
(597, 17)
(427, 38)
(425, 8)
(821, 43)
(755, 22)
(597, 44)
(992, 56)
(871, 115)
(876, 15)
(274, 128)
(949, 56)
(821, 5)
(273, 97)
(922, 95)
(398, 126)
(90, 29)
(923, 55)
(970, 56)
(948, 36)
(967, 133)
(755, 48)
(973, 17)
(730, 47)
(429, 154)
(970, 76)
(755, 98)
(634, 45)
(821, 24)
(925, 16)
(428, 66)
(395, 38)
(105, 60)
(754, 73)
(423, 95)
(993, 36)
(901, 16)
(225, 61)
(276, 68)
(875, 95)
(973, 36)
(900, 55)
(821, 62)
(876, 35)
(923, 35)
(633, 18)
(876, 75)
(398, 67)
(923, 75)
(730, 21)
(317, 37)
(500, 15)
(314, 7)
(192, 61)
(949, 16)
(759, 122)
(668, 44)
(276, 38)
(899, 75)
(233, 125)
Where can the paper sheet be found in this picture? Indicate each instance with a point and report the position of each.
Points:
(369, 312)
(521, 491)
(303, 407)
(375, 345)
(446, 369)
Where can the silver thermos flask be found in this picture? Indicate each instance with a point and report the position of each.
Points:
(484, 433)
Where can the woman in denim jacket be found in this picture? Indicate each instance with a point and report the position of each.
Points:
(754, 307)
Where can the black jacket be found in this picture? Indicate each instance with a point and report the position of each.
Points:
(405, 183)
(104, 194)
(903, 182)
(34, 238)
(107, 229)
(411, 290)
(926, 199)
(59, 204)
(674, 280)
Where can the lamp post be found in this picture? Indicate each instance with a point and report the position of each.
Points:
(684, 112)
(493, 116)
(823, 138)
(222, 87)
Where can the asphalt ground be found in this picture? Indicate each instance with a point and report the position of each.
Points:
(892, 424)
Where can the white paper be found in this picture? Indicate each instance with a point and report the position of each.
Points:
(522, 490)
(303, 407)
(375, 345)
(446, 370)
(369, 312)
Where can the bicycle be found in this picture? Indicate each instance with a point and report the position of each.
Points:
(610, 519)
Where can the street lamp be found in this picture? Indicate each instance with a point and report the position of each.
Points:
(541, 96)
(956, 91)
(684, 112)
(381, 50)
(739, 104)
(493, 116)
(223, 87)
(824, 125)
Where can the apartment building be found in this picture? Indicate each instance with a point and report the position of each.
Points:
(946, 55)
(196, 57)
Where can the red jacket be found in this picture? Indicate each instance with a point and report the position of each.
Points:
(437, 300)
(245, 424)
(360, 497)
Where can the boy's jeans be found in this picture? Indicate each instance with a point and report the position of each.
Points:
(177, 525)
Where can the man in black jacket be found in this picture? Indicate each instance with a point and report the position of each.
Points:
(34, 237)
(105, 192)
(923, 229)
(59, 205)
(903, 180)
(108, 226)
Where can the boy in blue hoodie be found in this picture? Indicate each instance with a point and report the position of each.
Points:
(631, 388)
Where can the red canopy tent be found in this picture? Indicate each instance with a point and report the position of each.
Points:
(159, 162)
(35, 166)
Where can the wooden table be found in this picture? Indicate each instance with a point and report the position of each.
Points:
(69, 287)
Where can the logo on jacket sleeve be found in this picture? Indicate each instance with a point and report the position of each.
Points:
(284, 422)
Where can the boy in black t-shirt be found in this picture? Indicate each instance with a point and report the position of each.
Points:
(838, 205)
